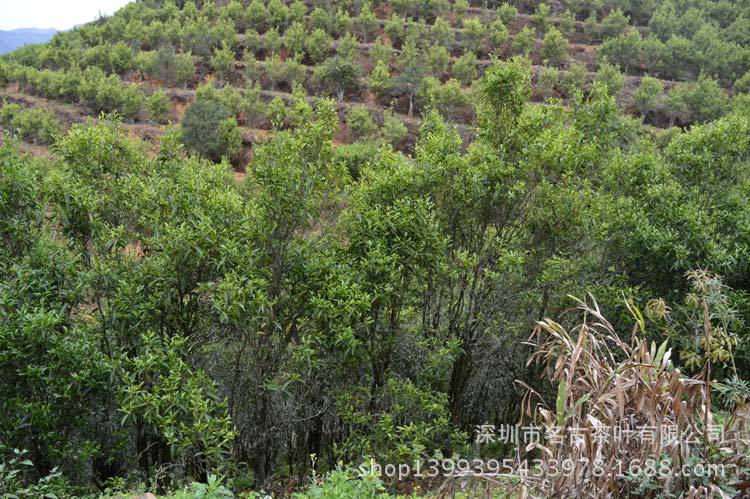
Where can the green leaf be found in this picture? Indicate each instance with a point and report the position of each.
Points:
(660, 353)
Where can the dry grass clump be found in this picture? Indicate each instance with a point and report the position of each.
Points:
(630, 422)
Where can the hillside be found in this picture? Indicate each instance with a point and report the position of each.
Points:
(264, 51)
(341, 248)
(11, 40)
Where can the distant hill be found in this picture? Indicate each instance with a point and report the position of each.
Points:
(11, 40)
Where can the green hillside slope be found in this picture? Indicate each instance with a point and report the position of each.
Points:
(696, 57)
(348, 249)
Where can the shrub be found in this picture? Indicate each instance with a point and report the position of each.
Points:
(317, 45)
(170, 144)
(472, 34)
(174, 399)
(498, 33)
(131, 103)
(295, 38)
(272, 41)
(611, 77)
(277, 13)
(428, 92)
(575, 78)
(321, 19)
(741, 103)
(4, 70)
(254, 106)
(354, 157)
(338, 74)
(591, 27)
(449, 99)
(465, 68)
(460, 7)
(541, 18)
(184, 68)
(342, 23)
(8, 111)
(624, 50)
(158, 105)
(256, 15)
(366, 22)
(548, 79)
(418, 33)
(101, 150)
(297, 11)
(228, 95)
(360, 123)
(235, 12)
(253, 41)
(299, 110)
(164, 64)
(524, 41)
(742, 85)
(566, 22)
(394, 131)
(507, 13)
(555, 47)
(441, 32)
(381, 52)
(429, 427)
(209, 129)
(648, 97)
(252, 72)
(276, 112)
(681, 54)
(14, 471)
(295, 72)
(348, 47)
(223, 62)
(614, 24)
(290, 71)
(654, 55)
(438, 58)
(200, 37)
(452, 101)
(345, 482)
(697, 102)
(394, 28)
(146, 63)
(380, 81)
(120, 58)
(33, 125)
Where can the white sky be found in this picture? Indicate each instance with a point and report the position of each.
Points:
(60, 14)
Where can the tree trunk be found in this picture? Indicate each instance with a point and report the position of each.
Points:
(459, 378)
(262, 455)
(260, 470)
(377, 383)
(141, 443)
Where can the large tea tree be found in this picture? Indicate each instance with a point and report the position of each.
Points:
(262, 306)
(56, 397)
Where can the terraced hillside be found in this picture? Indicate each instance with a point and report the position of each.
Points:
(415, 248)
(386, 64)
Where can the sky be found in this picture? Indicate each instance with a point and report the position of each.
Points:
(59, 14)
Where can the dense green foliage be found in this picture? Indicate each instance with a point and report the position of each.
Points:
(163, 321)
(170, 43)
(209, 129)
(34, 125)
